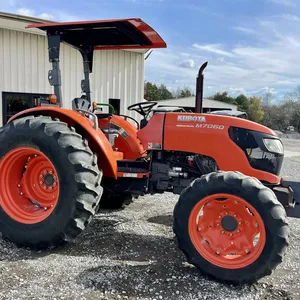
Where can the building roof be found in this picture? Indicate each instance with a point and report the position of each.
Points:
(190, 102)
(22, 18)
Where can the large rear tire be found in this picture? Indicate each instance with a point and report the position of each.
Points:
(217, 221)
(50, 182)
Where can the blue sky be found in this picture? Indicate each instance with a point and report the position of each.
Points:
(252, 46)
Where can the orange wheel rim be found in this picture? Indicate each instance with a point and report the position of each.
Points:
(227, 231)
(29, 185)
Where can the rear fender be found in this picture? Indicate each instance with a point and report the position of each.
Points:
(96, 138)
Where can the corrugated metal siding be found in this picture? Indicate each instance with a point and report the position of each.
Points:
(24, 67)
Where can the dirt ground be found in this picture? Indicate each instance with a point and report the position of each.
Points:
(131, 254)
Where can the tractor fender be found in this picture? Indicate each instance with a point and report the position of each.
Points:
(98, 142)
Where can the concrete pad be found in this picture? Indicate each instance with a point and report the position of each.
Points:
(291, 153)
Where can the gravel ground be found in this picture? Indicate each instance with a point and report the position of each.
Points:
(131, 254)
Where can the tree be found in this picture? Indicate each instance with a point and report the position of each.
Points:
(255, 111)
(243, 102)
(186, 92)
(223, 97)
(151, 91)
(154, 93)
(164, 93)
(267, 99)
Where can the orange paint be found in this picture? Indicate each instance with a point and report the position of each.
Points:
(139, 25)
(216, 143)
(19, 187)
(97, 140)
(152, 133)
(129, 144)
(226, 249)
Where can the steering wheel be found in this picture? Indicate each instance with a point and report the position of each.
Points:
(143, 108)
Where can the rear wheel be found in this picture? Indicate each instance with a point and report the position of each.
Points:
(231, 227)
(50, 182)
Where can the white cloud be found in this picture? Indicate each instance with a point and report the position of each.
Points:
(189, 63)
(245, 30)
(54, 15)
(25, 11)
(268, 62)
(46, 16)
(291, 3)
(214, 48)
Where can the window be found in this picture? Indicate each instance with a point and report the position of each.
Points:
(116, 104)
(12, 103)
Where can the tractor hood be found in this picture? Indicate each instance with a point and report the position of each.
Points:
(227, 121)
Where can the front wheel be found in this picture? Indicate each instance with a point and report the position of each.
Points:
(50, 182)
(231, 227)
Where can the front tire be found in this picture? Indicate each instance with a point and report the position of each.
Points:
(217, 219)
(50, 182)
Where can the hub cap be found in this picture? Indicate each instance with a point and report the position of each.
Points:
(227, 231)
(30, 185)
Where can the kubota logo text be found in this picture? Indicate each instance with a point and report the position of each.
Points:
(191, 118)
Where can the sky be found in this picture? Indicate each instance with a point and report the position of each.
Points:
(252, 46)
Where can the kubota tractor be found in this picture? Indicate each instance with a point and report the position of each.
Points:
(231, 217)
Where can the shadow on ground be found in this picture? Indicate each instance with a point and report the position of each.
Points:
(144, 265)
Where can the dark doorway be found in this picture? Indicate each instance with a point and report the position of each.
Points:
(116, 104)
(12, 103)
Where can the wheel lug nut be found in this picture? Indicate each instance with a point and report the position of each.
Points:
(240, 223)
(226, 213)
(41, 182)
(238, 230)
(54, 177)
(50, 172)
(256, 225)
(54, 183)
(19, 185)
(45, 172)
(199, 228)
(21, 193)
(218, 224)
(41, 176)
(230, 234)
(246, 251)
(222, 231)
(234, 215)
(45, 187)
(219, 217)
(218, 252)
(50, 188)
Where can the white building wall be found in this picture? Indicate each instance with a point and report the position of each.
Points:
(24, 68)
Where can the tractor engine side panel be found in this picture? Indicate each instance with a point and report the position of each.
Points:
(151, 135)
(208, 135)
(127, 141)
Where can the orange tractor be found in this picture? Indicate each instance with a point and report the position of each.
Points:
(59, 165)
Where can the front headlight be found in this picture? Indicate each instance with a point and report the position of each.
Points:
(274, 145)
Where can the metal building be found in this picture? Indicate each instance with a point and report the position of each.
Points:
(117, 78)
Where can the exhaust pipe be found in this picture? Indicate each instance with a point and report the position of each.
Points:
(199, 89)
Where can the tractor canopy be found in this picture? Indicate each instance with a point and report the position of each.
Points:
(87, 36)
(105, 34)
